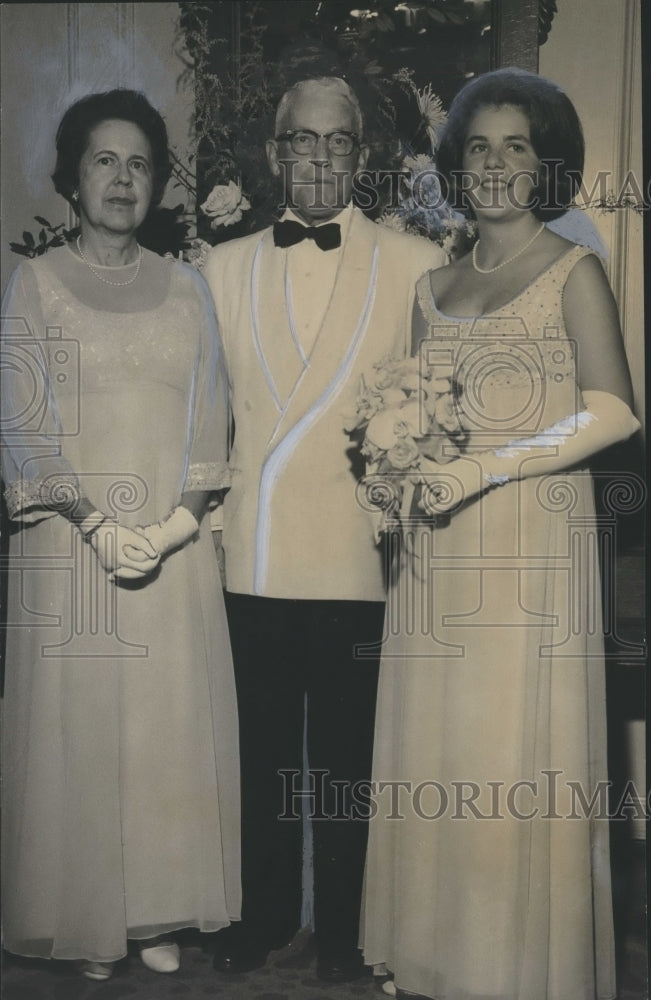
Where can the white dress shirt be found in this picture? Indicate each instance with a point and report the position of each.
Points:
(312, 274)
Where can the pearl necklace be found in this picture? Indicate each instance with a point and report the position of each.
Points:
(490, 270)
(101, 277)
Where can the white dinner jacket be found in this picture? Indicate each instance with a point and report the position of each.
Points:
(292, 525)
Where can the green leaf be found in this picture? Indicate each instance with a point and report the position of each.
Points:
(41, 221)
(42, 236)
(29, 239)
(19, 248)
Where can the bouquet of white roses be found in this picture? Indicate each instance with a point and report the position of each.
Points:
(408, 415)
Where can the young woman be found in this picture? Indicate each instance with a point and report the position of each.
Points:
(494, 884)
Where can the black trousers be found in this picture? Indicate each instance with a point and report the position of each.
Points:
(285, 651)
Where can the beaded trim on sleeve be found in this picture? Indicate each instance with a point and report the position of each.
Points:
(55, 492)
(208, 476)
(21, 494)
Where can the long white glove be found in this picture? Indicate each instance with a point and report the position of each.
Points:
(605, 420)
(173, 532)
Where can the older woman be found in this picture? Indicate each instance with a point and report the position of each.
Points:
(121, 802)
(495, 882)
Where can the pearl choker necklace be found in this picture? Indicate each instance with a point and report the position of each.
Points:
(101, 277)
(490, 270)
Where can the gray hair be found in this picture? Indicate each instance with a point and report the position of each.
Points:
(333, 84)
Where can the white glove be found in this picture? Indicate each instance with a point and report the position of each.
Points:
(121, 551)
(605, 420)
(173, 532)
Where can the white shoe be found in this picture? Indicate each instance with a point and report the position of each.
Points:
(389, 988)
(98, 971)
(160, 955)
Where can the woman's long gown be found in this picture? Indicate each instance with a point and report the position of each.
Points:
(121, 786)
(492, 702)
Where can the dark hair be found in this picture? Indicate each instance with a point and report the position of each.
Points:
(555, 129)
(82, 116)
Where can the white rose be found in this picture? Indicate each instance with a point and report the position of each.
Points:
(225, 204)
(386, 427)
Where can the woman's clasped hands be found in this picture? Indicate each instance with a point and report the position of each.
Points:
(132, 553)
(124, 553)
(161, 537)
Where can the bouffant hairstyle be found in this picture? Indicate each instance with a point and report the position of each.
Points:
(555, 130)
(82, 117)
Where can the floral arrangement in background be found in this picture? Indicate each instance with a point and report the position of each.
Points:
(408, 413)
(421, 208)
(224, 206)
(233, 115)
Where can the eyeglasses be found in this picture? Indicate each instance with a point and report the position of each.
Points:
(303, 141)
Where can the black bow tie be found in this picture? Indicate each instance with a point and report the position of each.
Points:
(287, 233)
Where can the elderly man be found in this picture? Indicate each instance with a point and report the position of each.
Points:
(304, 307)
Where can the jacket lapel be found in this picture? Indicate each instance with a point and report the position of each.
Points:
(339, 339)
(278, 352)
(340, 334)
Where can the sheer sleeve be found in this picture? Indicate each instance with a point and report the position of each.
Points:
(38, 481)
(207, 467)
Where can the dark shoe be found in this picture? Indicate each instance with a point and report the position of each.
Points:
(240, 954)
(341, 966)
